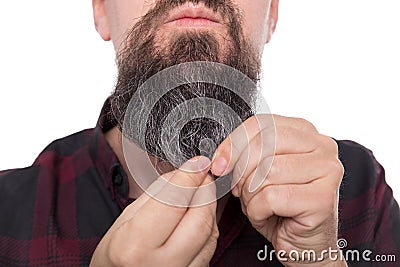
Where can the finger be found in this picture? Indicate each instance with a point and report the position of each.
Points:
(180, 188)
(204, 256)
(282, 140)
(285, 169)
(195, 231)
(297, 123)
(229, 150)
(308, 204)
(130, 211)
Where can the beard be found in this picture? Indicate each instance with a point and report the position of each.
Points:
(146, 51)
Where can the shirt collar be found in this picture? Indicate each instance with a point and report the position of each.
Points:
(105, 160)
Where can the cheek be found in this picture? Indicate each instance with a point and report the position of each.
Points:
(123, 14)
(255, 21)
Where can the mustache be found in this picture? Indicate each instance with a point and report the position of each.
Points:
(149, 23)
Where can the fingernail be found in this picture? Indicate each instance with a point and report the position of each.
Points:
(220, 165)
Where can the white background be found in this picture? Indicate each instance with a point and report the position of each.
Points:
(333, 62)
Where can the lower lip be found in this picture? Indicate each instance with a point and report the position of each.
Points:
(193, 22)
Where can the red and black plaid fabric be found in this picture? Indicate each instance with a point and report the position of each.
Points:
(55, 212)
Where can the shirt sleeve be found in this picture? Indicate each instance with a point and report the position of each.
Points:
(369, 218)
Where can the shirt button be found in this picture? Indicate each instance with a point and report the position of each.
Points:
(117, 179)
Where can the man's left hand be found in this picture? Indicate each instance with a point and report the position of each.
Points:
(296, 205)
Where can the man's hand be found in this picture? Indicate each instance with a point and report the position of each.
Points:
(150, 233)
(296, 206)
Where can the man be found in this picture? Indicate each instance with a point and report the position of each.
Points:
(79, 203)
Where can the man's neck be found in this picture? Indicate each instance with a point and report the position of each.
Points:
(114, 139)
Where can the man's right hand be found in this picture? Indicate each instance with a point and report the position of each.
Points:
(151, 233)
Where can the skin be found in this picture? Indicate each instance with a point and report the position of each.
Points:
(296, 207)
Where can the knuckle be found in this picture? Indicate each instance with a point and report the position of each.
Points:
(117, 258)
(333, 144)
(251, 210)
(305, 124)
(313, 222)
(340, 169)
(215, 233)
(268, 195)
(253, 213)
(124, 257)
(336, 168)
(330, 144)
(258, 202)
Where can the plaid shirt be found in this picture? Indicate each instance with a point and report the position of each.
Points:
(55, 212)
